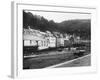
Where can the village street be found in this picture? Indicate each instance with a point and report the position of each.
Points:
(49, 59)
(78, 62)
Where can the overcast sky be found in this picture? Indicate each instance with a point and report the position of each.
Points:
(59, 17)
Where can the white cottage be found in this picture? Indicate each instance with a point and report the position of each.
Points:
(35, 38)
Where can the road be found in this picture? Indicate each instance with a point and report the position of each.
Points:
(49, 59)
(82, 61)
(44, 60)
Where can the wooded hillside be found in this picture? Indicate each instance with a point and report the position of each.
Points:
(80, 27)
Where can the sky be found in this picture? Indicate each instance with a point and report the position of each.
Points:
(59, 17)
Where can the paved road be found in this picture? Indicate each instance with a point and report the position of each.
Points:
(83, 61)
(49, 59)
(51, 53)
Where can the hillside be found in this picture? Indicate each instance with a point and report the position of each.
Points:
(80, 27)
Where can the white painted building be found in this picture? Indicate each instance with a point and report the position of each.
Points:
(43, 44)
(37, 38)
(51, 41)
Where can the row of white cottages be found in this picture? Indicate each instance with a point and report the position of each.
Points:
(41, 39)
